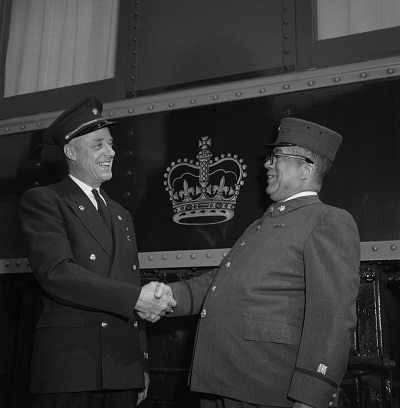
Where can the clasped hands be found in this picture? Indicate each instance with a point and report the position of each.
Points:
(155, 301)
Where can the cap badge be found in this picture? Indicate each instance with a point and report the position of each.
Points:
(95, 111)
(281, 208)
(322, 368)
(81, 207)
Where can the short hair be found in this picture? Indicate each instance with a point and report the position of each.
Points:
(322, 165)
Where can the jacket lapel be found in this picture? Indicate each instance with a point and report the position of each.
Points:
(88, 215)
(118, 225)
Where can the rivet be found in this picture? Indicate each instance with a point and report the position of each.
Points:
(39, 124)
(133, 78)
(128, 173)
(286, 50)
(310, 83)
(285, 36)
(286, 67)
(286, 86)
(224, 254)
(375, 248)
(18, 263)
(151, 107)
(6, 129)
(111, 114)
(22, 126)
(193, 256)
(208, 255)
(238, 94)
(171, 104)
(127, 194)
(37, 164)
(133, 93)
(390, 71)
(129, 153)
(7, 263)
(336, 79)
(164, 257)
(393, 247)
(262, 90)
(178, 256)
(151, 257)
(215, 97)
(363, 75)
(285, 22)
(130, 110)
(193, 101)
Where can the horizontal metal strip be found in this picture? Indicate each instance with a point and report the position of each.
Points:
(226, 92)
(370, 251)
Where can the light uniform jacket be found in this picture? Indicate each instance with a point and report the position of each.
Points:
(87, 337)
(278, 316)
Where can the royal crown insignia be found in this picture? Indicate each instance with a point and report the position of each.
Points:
(204, 192)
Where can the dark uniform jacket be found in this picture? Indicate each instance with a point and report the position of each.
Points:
(87, 336)
(279, 314)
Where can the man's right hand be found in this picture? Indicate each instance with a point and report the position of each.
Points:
(155, 300)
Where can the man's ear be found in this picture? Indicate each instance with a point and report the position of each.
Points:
(70, 152)
(308, 171)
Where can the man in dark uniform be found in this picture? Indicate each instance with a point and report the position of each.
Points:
(277, 317)
(89, 348)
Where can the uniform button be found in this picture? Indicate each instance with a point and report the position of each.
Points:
(134, 267)
(258, 227)
(227, 265)
(135, 325)
(213, 288)
(334, 396)
(92, 257)
(203, 313)
(242, 244)
(330, 404)
(104, 324)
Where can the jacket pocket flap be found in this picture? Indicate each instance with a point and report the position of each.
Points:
(275, 332)
(61, 319)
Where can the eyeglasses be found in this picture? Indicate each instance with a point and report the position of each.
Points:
(272, 155)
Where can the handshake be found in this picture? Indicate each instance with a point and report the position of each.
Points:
(156, 300)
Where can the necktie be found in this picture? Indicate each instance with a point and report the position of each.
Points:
(102, 209)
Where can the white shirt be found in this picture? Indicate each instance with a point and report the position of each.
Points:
(87, 190)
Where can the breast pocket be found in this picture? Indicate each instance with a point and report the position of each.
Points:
(273, 332)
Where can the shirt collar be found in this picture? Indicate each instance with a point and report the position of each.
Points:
(302, 194)
(86, 189)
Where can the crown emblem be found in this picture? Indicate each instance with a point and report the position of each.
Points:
(94, 110)
(204, 192)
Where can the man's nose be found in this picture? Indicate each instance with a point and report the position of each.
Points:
(268, 164)
(110, 151)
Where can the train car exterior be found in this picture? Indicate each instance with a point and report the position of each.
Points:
(193, 97)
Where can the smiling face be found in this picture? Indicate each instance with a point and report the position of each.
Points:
(91, 157)
(286, 176)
